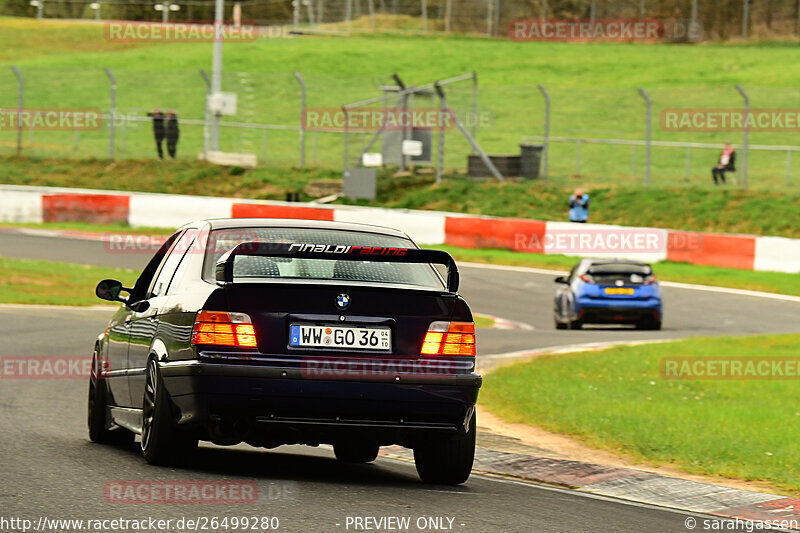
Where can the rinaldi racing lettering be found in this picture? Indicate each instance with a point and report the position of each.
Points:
(342, 249)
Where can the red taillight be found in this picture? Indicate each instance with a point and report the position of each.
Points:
(220, 328)
(649, 280)
(449, 338)
(587, 278)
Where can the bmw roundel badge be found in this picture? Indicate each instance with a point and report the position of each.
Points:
(343, 301)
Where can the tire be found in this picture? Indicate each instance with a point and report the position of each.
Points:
(162, 442)
(96, 411)
(448, 460)
(351, 452)
(560, 325)
(649, 325)
(575, 324)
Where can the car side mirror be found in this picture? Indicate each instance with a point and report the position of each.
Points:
(109, 289)
(561, 279)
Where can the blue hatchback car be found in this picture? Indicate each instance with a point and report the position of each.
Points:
(601, 291)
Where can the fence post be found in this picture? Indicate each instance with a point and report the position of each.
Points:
(347, 12)
(474, 105)
(425, 16)
(440, 138)
(688, 163)
(797, 19)
(204, 74)
(788, 165)
(345, 142)
(489, 17)
(295, 13)
(371, 7)
(448, 14)
(745, 18)
(111, 112)
(648, 126)
(593, 12)
(746, 139)
(545, 9)
(20, 105)
(546, 149)
(497, 18)
(302, 119)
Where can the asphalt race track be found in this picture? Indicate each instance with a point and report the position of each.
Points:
(50, 468)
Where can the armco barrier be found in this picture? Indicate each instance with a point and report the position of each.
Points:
(22, 204)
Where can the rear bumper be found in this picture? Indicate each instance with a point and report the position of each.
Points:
(293, 407)
(595, 311)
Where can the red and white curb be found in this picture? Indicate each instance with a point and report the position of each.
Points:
(23, 204)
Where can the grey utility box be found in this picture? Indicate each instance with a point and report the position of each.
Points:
(360, 183)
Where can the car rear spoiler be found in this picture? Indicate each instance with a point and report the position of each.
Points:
(224, 266)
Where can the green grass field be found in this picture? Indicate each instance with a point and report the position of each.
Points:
(26, 281)
(617, 400)
(592, 86)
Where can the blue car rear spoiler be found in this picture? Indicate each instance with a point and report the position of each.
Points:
(224, 266)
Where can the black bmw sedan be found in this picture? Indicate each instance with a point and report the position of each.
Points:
(275, 332)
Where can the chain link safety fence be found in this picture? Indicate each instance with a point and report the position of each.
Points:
(595, 135)
(719, 19)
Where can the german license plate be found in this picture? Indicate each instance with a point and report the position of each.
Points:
(623, 290)
(349, 337)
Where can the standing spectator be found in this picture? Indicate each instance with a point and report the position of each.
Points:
(173, 133)
(579, 207)
(727, 160)
(158, 130)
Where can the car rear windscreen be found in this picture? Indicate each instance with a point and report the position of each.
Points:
(252, 268)
(610, 274)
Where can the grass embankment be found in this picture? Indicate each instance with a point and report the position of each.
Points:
(617, 400)
(590, 98)
(690, 208)
(27, 281)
